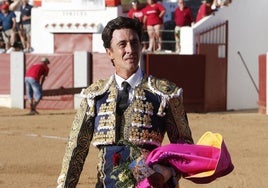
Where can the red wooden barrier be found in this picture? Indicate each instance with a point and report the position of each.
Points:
(60, 76)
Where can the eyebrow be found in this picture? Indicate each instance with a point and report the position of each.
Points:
(132, 40)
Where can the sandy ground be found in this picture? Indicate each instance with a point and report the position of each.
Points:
(32, 148)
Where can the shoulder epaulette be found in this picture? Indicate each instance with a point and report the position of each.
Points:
(97, 88)
(162, 86)
(165, 89)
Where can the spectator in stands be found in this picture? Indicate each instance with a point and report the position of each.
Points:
(204, 10)
(8, 19)
(153, 17)
(2, 43)
(6, 2)
(25, 26)
(13, 5)
(34, 79)
(183, 17)
(136, 12)
(219, 4)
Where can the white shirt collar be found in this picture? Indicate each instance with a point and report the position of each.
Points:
(133, 80)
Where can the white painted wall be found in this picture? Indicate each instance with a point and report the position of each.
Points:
(17, 79)
(42, 36)
(248, 35)
(41, 40)
(5, 101)
(81, 73)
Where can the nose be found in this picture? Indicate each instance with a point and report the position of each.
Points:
(129, 47)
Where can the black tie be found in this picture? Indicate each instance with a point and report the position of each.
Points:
(123, 100)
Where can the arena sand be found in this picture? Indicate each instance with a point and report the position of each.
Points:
(32, 148)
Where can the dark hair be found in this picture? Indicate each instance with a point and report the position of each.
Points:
(134, 2)
(209, 1)
(120, 23)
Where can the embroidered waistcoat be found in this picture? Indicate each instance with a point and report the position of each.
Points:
(143, 122)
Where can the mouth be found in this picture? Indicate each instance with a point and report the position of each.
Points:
(132, 59)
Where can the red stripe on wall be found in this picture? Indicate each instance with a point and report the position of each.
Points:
(4, 74)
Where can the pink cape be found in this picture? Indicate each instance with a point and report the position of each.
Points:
(201, 163)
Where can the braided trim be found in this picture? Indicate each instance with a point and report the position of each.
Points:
(164, 97)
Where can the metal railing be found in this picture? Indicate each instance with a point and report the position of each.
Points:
(168, 40)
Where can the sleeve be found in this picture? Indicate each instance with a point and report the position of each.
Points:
(144, 10)
(172, 109)
(161, 7)
(129, 14)
(201, 13)
(30, 11)
(191, 18)
(175, 15)
(178, 129)
(13, 15)
(77, 148)
(45, 70)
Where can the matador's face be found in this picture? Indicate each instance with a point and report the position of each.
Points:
(125, 52)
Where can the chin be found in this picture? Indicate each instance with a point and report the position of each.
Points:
(131, 62)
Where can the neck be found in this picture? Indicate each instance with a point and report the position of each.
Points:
(126, 74)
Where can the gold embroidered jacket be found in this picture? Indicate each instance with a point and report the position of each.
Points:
(156, 109)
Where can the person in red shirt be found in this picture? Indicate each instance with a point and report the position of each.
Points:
(204, 10)
(153, 17)
(135, 11)
(183, 17)
(34, 79)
